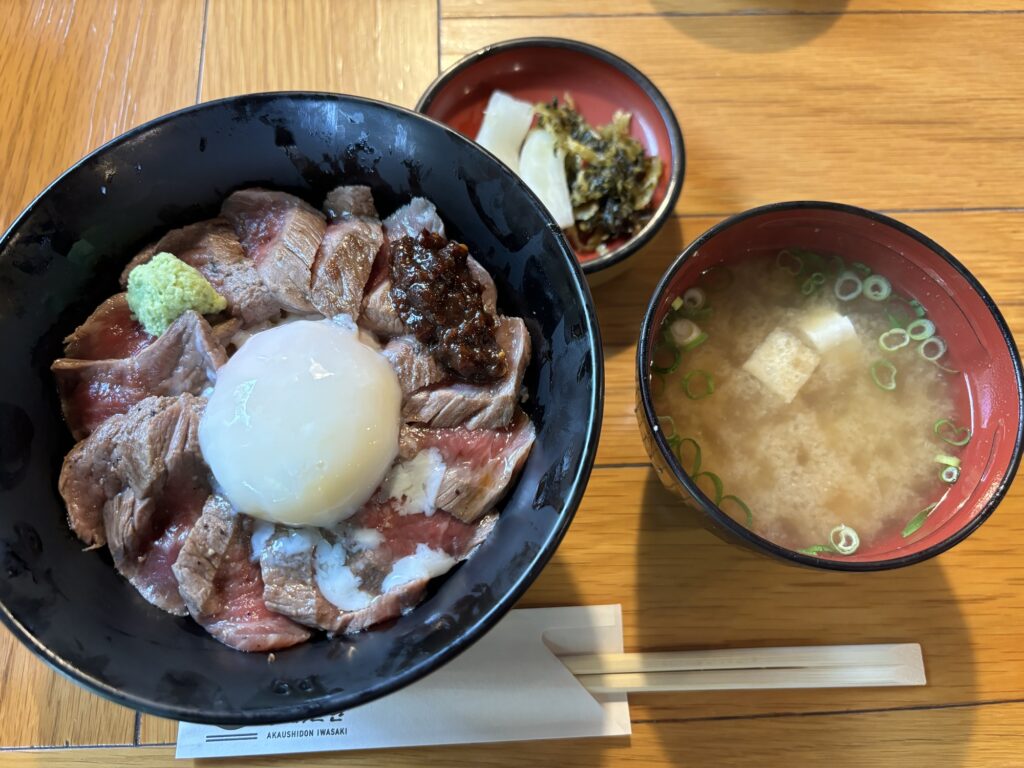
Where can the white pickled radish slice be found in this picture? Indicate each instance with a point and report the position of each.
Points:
(824, 329)
(506, 121)
(542, 167)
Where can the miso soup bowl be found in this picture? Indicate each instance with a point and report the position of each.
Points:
(981, 348)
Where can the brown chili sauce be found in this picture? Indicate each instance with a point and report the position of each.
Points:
(441, 303)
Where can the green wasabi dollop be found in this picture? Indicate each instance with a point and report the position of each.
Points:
(165, 287)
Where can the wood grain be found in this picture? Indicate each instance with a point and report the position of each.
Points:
(508, 8)
(384, 49)
(75, 74)
(787, 107)
(987, 243)
(962, 737)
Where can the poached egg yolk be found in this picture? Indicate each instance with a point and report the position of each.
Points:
(302, 425)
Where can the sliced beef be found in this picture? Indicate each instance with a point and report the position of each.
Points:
(138, 483)
(184, 359)
(109, 333)
(379, 313)
(350, 200)
(474, 406)
(412, 219)
(223, 588)
(347, 253)
(368, 545)
(413, 363)
(479, 463)
(213, 248)
(281, 234)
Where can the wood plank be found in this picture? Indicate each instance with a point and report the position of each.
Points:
(73, 78)
(988, 243)
(506, 8)
(384, 49)
(865, 109)
(968, 737)
(157, 730)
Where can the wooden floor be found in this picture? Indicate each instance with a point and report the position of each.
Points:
(911, 107)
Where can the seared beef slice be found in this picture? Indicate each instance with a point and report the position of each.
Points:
(212, 247)
(281, 234)
(184, 359)
(223, 588)
(347, 253)
(138, 483)
(476, 406)
(109, 333)
(479, 464)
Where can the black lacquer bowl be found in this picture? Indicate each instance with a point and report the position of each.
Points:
(62, 257)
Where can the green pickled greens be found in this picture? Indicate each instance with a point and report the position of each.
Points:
(611, 179)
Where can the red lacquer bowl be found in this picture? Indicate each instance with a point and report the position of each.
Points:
(539, 69)
(980, 347)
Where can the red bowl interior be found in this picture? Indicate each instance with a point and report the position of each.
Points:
(979, 345)
(539, 72)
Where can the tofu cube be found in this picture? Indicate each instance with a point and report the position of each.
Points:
(782, 363)
(824, 329)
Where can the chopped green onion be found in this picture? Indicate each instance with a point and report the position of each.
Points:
(932, 348)
(812, 283)
(716, 481)
(696, 314)
(844, 539)
(688, 386)
(877, 288)
(949, 432)
(918, 520)
(696, 342)
(816, 549)
(848, 286)
(694, 298)
(659, 363)
(893, 339)
(683, 331)
(949, 461)
(677, 303)
(950, 475)
(901, 311)
(742, 505)
(883, 373)
(943, 368)
(717, 278)
(696, 455)
(667, 421)
(864, 269)
(673, 442)
(921, 329)
(788, 261)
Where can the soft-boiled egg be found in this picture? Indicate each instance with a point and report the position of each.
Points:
(302, 425)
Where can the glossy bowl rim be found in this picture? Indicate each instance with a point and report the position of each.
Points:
(590, 438)
(748, 537)
(676, 165)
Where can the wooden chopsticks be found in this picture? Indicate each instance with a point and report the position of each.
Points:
(827, 666)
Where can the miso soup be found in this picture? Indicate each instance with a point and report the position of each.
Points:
(810, 400)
